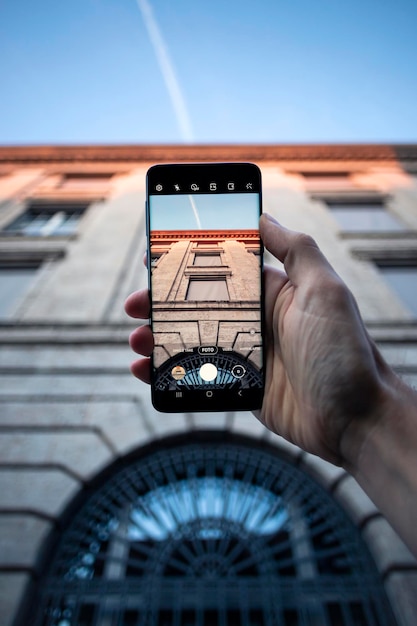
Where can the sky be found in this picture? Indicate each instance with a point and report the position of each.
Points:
(205, 211)
(207, 71)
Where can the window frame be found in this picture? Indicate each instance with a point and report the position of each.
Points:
(18, 226)
(402, 293)
(311, 541)
(364, 198)
(207, 255)
(26, 258)
(395, 224)
(207, 278)
(389, 256)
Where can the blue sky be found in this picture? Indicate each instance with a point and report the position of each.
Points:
(87, 71)
(214, 211)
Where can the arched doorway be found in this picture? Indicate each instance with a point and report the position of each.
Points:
(212, 531)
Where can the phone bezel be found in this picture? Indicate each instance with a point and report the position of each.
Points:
(202, 174)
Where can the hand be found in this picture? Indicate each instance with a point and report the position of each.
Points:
(322, 370)
(328, 390)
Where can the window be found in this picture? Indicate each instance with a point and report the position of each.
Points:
(225, 361)
(326, 177)
(46, 219)
(207, 260)
(206, 244)
(14, 282)
(209, 532)
(86, 181)
(327, 181)
(207, 290)
(364, 216)
(402, 278)
(155, 256)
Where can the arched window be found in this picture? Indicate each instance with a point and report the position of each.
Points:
(232, 371)
(211, 532)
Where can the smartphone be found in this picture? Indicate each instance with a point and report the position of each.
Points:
(205, 282)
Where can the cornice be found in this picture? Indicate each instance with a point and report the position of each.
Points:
(205, 152)
(203, 235)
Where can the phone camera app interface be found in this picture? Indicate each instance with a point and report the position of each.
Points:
(206, 290)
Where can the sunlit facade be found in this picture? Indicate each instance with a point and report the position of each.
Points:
(112, 513)
(206, 291)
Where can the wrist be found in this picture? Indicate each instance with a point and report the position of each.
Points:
(380, 453)
(365, 432)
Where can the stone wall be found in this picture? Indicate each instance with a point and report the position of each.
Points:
(68, 404)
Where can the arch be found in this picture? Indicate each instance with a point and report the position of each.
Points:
(209, 529)
(233, 371)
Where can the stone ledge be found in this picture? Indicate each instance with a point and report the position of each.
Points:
(292, 452)
(388, 550)
(210, 421)
(167, 424)
(12, 590)
(151, 153)
(21, 537)
(247, 424)
(44, 492)
(322, 471)
(401, 589)
(83, 452)
(354, 500)
(121, 421)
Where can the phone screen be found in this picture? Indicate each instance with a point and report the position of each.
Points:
(205, 275)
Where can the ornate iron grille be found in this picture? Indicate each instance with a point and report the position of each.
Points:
(225, 363)
(211, 533)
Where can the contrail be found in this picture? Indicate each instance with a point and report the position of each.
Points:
(196, 215)
(167, 70)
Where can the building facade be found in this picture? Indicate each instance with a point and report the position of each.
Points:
(112, 513)
(206, 295)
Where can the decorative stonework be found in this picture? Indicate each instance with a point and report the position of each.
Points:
(201, 153)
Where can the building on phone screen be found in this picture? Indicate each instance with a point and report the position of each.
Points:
(112, 513)
(206, 289)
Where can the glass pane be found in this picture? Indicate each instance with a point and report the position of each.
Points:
(207, 260)
(20, 223)
(68, 226)
(210, 533)
(13, 284)
(54, 219)
(207, 290)
(54, 222)
(403, 280)
(36, 225)
(364, 217)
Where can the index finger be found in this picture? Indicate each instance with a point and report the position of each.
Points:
(138, 304)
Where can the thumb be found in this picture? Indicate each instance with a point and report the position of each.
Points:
(298, 252)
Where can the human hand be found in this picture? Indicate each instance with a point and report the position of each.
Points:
(327, 390)
(322, 370)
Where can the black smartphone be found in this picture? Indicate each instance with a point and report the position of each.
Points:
(205, 282)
